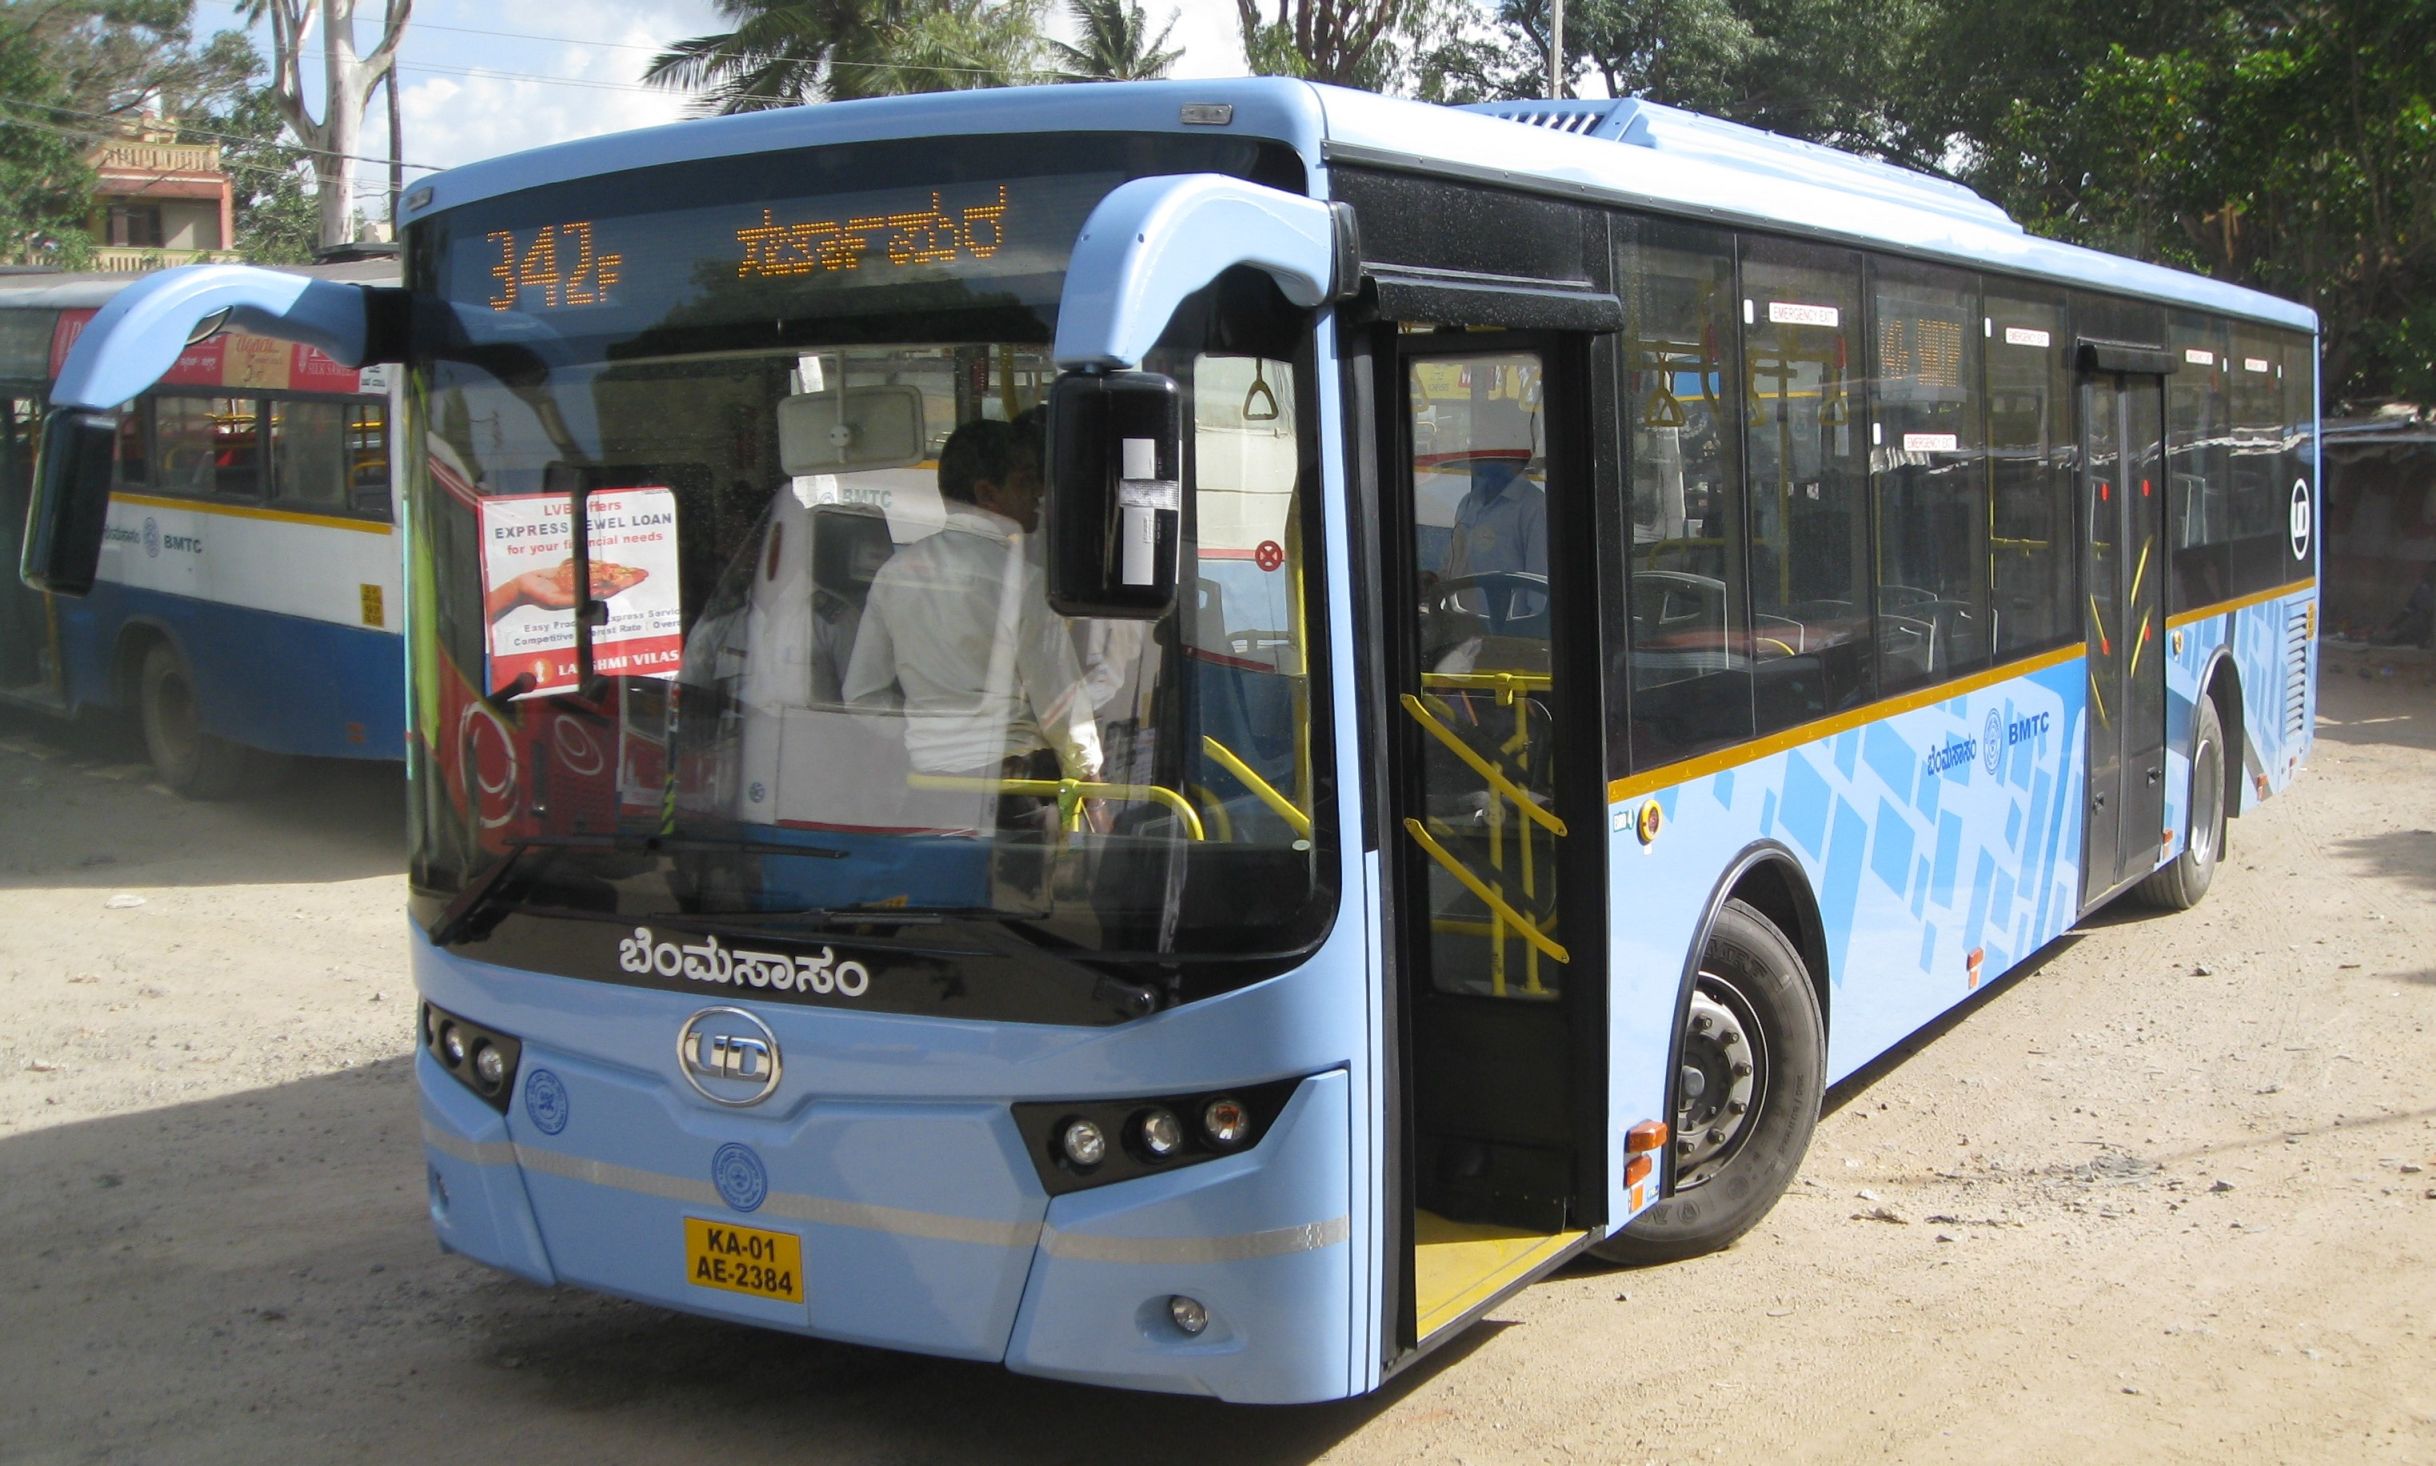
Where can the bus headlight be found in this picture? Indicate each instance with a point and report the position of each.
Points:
(1084, 1143)
(490, 1067)
(1080, 1144)
(482, 1059)
(1224, 1122)
(1158, 1132)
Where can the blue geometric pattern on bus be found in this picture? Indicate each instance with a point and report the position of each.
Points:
(1925, 839)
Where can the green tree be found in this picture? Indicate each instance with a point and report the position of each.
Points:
(1116, 43)
(70, 72)
(783, 53)
(1323, 40)
(325, 29)
(2288, 146)
(1805, 68)
(278, 218)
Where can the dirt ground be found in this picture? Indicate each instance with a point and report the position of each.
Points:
(2167, 1195)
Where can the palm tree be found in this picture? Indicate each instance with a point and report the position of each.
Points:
(1117, 45)
(783, 53)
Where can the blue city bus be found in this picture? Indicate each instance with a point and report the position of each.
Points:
(1559, 631)
(247, 603)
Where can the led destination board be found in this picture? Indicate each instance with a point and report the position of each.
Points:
(657, 264)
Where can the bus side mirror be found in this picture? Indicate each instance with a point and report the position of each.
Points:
(1116, 493)
(71, 505)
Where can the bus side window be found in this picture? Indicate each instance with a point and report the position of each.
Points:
(309, 460)
(2199, 476)
(2032, 547)
(1689, 652)
(368, 458)
(185, 456)
(133, 469)
(1929, 474)
(1805, 436)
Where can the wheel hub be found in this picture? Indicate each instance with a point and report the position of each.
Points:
(1719, 1084)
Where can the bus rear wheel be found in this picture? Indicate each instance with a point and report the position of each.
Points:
(2185, 879)
(1746, 1093)
(190, 761)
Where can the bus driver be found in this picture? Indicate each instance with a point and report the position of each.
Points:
(958, 634)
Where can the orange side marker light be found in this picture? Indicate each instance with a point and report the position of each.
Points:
(1645, 1137)
(1636, 1170)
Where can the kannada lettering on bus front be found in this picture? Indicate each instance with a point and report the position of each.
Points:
(924, 236)
(526, 269)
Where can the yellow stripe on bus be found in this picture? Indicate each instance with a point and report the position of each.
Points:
(2185, 618)
(248, 511)
(1817, 728)
(1689, 769)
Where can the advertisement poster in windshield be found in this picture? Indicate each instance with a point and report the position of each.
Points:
(529, 575)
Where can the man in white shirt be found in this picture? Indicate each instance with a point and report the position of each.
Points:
(958, 633)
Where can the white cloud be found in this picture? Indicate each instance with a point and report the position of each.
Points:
(470, 96)
(469, 92)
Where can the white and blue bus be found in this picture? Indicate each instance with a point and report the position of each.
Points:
(248, 598)
(1559, 632)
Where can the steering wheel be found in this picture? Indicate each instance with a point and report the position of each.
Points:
(1501, 589)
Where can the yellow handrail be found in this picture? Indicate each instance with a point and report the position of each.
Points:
(1507, 685)
(1260, 787)
(1523, 925)
(1481, 766)
(1070, 794)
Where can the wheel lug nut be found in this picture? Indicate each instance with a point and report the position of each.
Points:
(1730, 1038)
(1683, 1147)
(1717, 1137)
(1701, 1025)
(1737, 1107)
(1742, 1071)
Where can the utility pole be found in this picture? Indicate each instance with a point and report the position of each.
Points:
(1556, 49)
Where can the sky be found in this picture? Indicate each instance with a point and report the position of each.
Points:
(483, 77)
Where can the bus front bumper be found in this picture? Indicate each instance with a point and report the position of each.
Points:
(1078, 1287)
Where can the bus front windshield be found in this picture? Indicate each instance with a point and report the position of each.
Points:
(823, 696)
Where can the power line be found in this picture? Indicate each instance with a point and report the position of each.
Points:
(205, 132)
(91, 135)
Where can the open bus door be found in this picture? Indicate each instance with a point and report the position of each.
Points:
(1496, 810)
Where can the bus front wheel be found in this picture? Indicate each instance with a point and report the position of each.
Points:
(1746, 1093)
(190, 761)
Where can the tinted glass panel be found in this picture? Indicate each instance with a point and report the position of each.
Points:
(1805, 431)
(368, 458)
(2260, 502)
(1928, 473)
(2198, 454)
(2300, 435)
(207, 445)
(1689, 646)
(1487, 685)
(309, 454)
(2030, 535)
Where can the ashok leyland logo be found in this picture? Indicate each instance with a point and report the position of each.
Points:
(729, 1056)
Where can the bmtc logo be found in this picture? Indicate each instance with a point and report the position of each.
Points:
(152, 538)
(1991, 742)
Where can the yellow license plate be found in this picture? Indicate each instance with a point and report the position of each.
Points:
(744, 1260)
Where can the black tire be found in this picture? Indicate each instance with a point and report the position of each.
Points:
(1730, 1170)
(2183, 880)
(191, 762)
